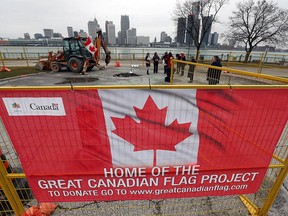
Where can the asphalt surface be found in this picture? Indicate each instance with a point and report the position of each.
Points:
(129, 73)
(137, 76)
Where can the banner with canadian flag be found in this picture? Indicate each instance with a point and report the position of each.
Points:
(133, 144)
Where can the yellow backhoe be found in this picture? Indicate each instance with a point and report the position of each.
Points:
(79, 55)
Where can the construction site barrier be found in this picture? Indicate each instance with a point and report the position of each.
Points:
(180, 71)
(16, 196)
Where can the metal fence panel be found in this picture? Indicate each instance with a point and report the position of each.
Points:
(231, 205)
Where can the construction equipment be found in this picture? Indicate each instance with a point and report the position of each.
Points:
(79, 55)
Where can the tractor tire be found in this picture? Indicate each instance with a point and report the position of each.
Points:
(75, 65)
(55, 67)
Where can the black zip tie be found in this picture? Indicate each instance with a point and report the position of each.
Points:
(78, 207)
(72, 88)
(157, 205)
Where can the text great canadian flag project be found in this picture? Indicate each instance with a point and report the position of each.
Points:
(143, 144)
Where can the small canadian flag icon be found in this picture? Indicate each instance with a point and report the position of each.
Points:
(155, 129)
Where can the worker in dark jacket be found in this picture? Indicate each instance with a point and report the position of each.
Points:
(191, 69)
(155, 59)
(213, 75)
(147, 60)
(182, 65)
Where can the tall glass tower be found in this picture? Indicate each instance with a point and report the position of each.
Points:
(93, 27)
(125, 25)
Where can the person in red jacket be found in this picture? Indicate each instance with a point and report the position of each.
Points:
(169, 63)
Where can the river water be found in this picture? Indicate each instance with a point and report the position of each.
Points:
(134, 52)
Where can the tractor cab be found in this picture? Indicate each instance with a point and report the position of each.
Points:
(73, 47)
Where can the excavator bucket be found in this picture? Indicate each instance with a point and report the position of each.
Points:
(39, 66)
(43, 65)
(108, 58)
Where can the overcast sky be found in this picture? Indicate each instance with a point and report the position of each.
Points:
(149, 17)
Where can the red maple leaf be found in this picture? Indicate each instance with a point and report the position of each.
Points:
(151, 133)
(87, 42)
(92, 49)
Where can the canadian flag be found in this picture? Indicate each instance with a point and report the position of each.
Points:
(157, 128)
(228, 133)
(219, 129)
(90, 46)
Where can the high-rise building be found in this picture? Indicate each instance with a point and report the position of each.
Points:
(57, 35)
(181, 29)
(48, 33)
(125, 25)
(70, 31)
(82, 33)
(163, 36)
(193, 24)
(93, 27)
(104, 36)
(27, 36)
(119, 37)
(214, 39)
(106, 30)
(206, 29)
(38, 36)
(110, 32)
(168, 39)
(131, 36)
(143, 40)
(190, 29)
(196, 9)
(193, 30)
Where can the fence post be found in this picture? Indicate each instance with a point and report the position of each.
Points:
(10, 191)
(2, 60)
(25, 56)
(143, 57)
(172, 70)
(275, 189)
(260, 63)
(253, 210)
(229, 59)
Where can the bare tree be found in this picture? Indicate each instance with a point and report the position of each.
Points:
(196, 18)
(257, 22)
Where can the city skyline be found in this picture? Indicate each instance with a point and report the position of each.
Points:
(127, 35)
(150, 18)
